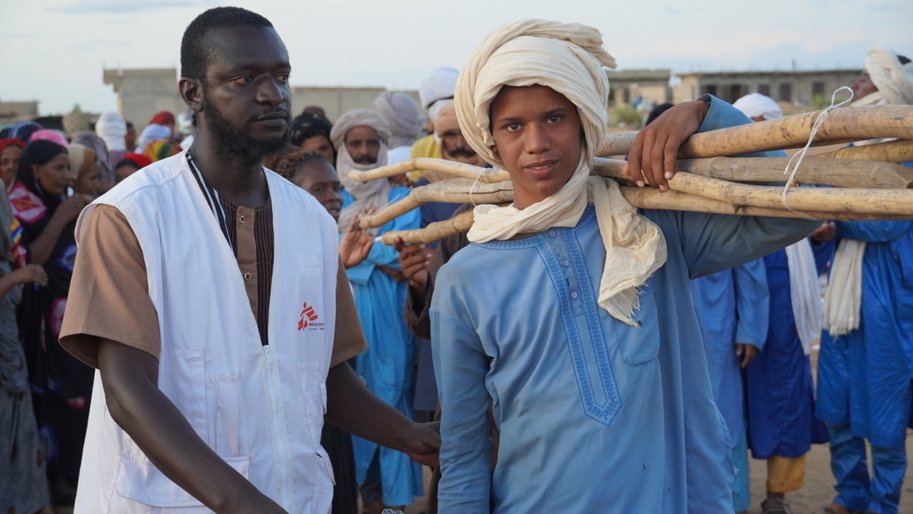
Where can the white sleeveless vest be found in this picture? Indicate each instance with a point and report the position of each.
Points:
(259, 407)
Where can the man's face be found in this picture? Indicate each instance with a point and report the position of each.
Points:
(453, 146)
(863, 86)
(130, 138)
(537, 135)
(319, 178)
(246, 96)
(363, 144)
(319, 144)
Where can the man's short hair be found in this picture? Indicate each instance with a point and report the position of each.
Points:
(195, 51)
(307, 125)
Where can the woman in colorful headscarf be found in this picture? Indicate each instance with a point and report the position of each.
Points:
(10, 150)
(23, 472)
(577, 326)
(97, 145)
(161, 149)
(61, 384)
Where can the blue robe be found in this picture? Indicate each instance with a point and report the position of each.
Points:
(387, 364)
(779, 381)
(731, 307)
(864, 377)
(591, 412)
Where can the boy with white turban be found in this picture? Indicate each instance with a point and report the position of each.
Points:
(865, 391)
(577, 324)
(361, 138)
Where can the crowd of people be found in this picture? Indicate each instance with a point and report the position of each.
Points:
(569, 353)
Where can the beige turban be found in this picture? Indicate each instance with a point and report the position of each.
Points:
(367, 195)
(81, 159)
(568, 58)
(401, 113)
(893, 79)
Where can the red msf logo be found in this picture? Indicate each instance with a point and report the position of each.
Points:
(308, 314)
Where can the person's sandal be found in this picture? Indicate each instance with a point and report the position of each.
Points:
(777, 506)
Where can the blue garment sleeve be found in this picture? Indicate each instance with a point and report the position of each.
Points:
(873, 231)
(381, 254)
(460, 367)
(752, 303)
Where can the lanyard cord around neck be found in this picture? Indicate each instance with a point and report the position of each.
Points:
(212, 198)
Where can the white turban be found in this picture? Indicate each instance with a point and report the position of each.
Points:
(112, 128)
(152, 132)
(401, 113)
(568, 58)
(368, 195)
(438, 86)
(893, 79)
(758, 105)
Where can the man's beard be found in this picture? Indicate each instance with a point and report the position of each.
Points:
(232, 142)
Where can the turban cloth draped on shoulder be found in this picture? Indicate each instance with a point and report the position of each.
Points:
(570, 59)
(367, 195)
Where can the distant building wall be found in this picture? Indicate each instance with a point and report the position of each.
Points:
(651, 86)
(143, 92)
(800, 88)
(18, 111)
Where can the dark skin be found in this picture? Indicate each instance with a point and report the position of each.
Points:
(651, 160)
(246, 77)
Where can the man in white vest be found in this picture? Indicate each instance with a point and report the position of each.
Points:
(208, 294)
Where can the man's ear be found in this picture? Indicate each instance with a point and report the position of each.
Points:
(192, 93)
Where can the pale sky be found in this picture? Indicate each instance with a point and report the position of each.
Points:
(55, 51)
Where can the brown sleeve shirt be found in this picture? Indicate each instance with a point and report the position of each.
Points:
(109, 295)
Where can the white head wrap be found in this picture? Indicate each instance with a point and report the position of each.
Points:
(401, 113)
(438, 86)
(568, 58)
(368, 195)
(893, 79)
(152, 132)
(756, 104)
(112, 128)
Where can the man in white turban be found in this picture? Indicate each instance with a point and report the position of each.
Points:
(570, 313)
(759, 107)
(434, 92)
(864, 389)
(388, 477)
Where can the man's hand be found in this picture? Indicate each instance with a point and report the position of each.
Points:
(423, 443)
(824, 233)
(29, 274)
(747, 353)
(355, 244)
(655, 149)
(414, 260)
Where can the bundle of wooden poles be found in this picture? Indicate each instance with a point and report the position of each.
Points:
(863, 182)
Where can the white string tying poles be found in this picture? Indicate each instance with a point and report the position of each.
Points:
(800, 155)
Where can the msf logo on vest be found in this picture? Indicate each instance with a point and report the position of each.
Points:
(308, 319)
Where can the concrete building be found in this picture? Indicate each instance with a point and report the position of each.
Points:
(11, 112)
(804, 88)
(649, 85)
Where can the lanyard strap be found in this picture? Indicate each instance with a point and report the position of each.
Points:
(212, 198)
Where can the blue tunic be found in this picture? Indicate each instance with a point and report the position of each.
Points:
(591, 412)
(731, 308)
(387, 364)
(864, 377)
(779, 381)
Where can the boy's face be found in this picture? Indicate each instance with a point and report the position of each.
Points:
(537, 135)
(319, 178)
